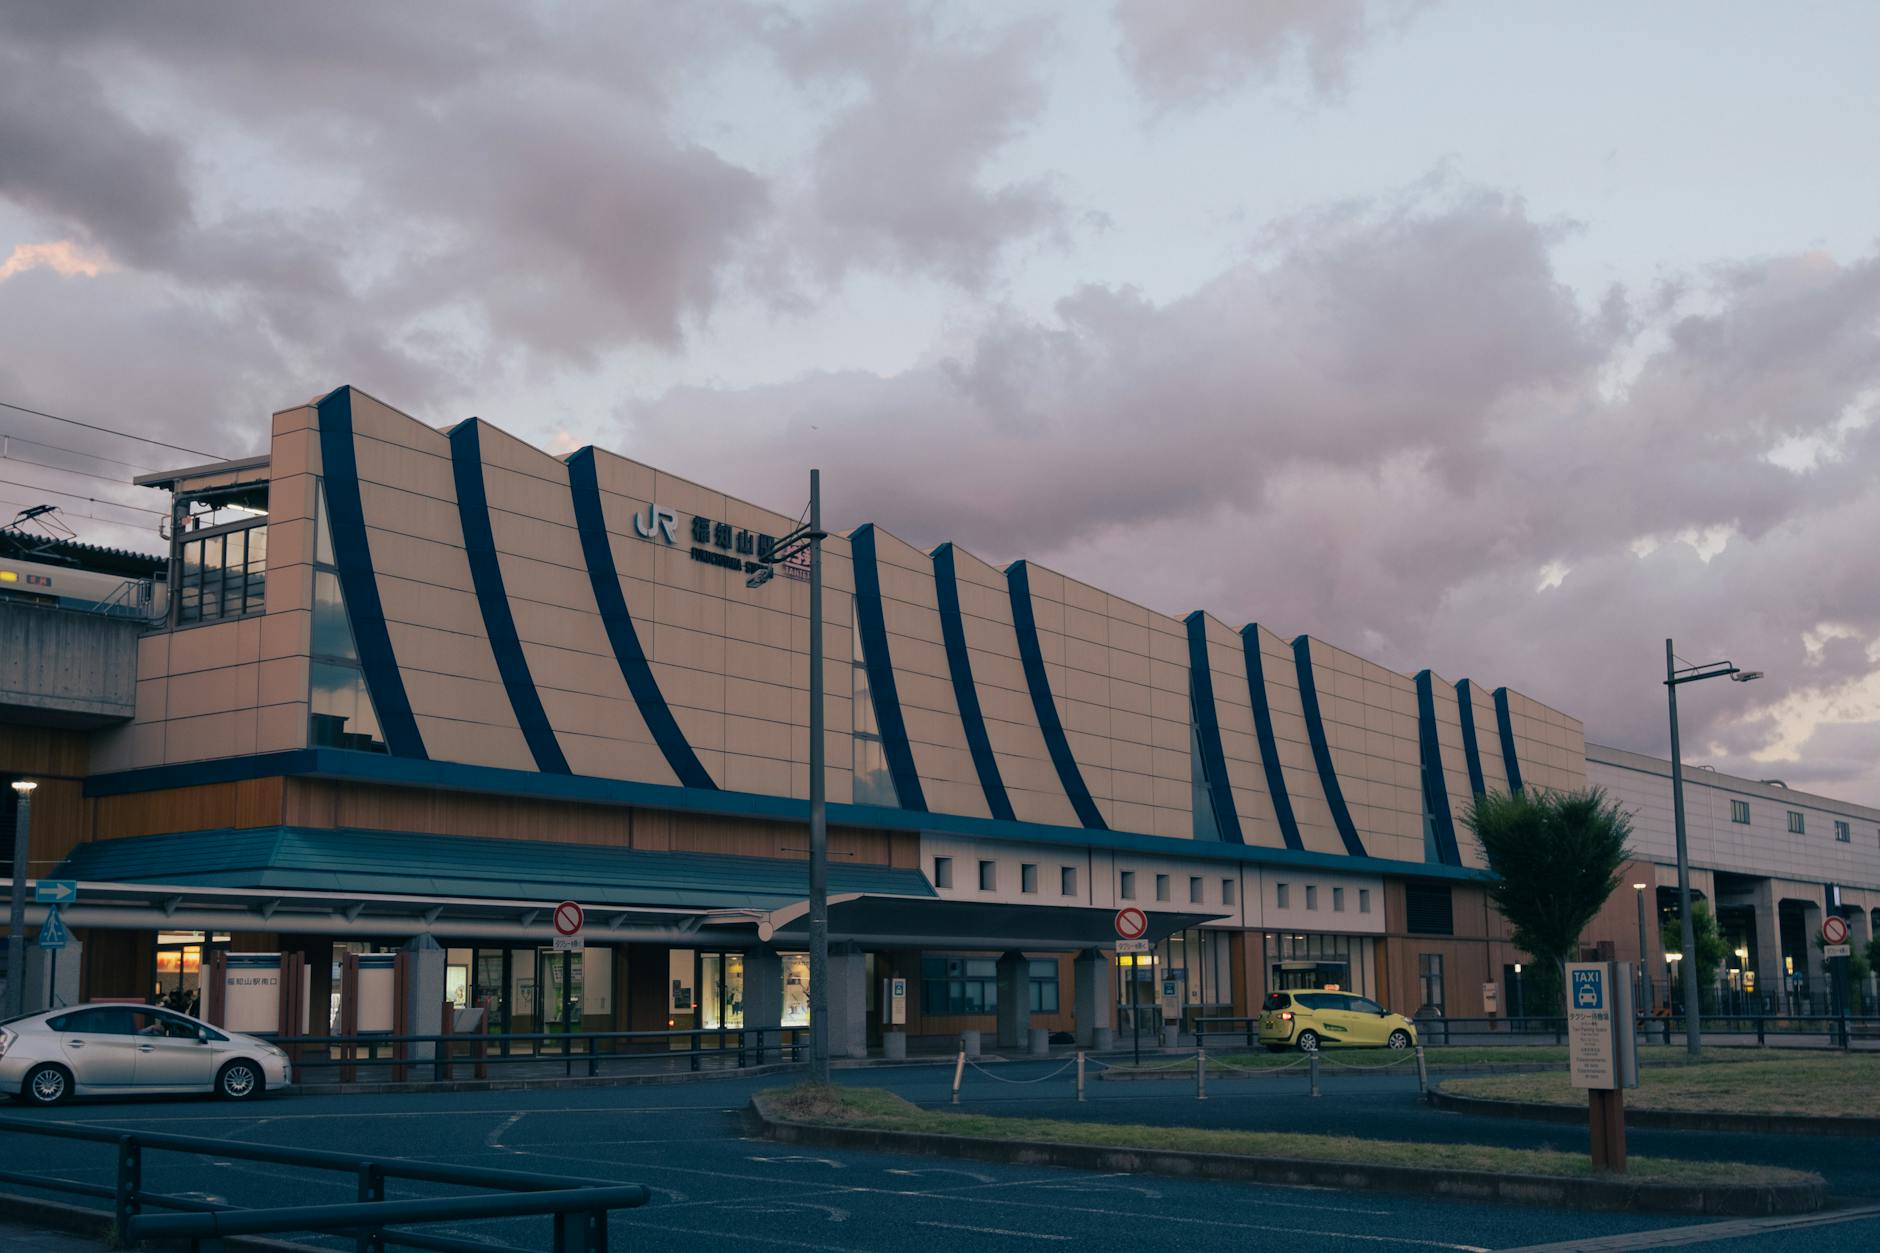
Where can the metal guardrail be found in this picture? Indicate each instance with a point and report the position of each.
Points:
(579, 1207)
(441, 1053)
(1838, 1029)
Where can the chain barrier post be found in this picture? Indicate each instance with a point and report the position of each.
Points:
(959, 1072)
(1080, 1074)
(1312, 1069)
(1423, 1074)
(1201, 1074)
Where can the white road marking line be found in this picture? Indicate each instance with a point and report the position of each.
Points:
(945, 1170)
(494, 1139)
(1703, 1233)
(766, 1205)
(995, 1231)
(794, 1158)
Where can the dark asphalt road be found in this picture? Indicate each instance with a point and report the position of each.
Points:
(714, 1187)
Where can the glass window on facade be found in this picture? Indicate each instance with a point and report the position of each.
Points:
(1296, 960)
(874, 785)
(1126, 885)
(1843, 832)
(959, 985)
(1194, 889)
(223, 575)
(943, 872)
(1027, 877)
(988, 876)
(1161, 887)
(1364, 900)
(1281, 896)
(1227, 891)
(1796, 826)
(1067, 880)
(1338, 900)
(795, 989)
(1312, 896)
(1739, 811)
(1044, 985)
(339, 706)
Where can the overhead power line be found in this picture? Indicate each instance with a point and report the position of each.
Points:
(13, 437)
(96, 500)
(106, 430)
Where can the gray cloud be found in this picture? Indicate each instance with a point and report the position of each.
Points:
(898, 179)
(1379, 429)
(1184, 52)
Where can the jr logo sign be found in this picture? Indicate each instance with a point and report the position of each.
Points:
(1589, 989)
(657, 522)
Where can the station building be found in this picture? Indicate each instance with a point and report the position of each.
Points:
(413, 681)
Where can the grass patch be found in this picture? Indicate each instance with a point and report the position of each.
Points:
(875, 1109)
(1725, 1084)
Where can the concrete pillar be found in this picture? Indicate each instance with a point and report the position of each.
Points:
(44, 989)
(763, 1001)
(424, 993)
(848, 1002)
(1811, 929)
(1768, 953)
(1095, 1003)
(1014, 1000)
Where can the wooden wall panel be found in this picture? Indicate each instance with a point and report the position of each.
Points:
(41, 752)
(202, 807)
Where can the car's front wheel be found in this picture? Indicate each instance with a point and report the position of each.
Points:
(46, 1085)
(1308, 1042)
(1400, 1039)
(239, 1081)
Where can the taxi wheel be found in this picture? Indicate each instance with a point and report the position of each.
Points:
(238, 1081)
(48, 1085)
(1400, 1039)
(1308, 1042)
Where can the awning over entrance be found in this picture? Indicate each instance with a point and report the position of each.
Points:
(875, 921)
(378, 863)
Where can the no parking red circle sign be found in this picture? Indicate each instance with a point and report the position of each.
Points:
(1834, 930)
(1131, 923)
(568, 919)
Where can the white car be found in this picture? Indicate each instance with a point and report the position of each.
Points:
(115, 1050)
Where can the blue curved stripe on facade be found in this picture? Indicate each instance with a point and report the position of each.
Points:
(946, 584)
(1263, 732)
(873, 628)
(1471, 752)
(1025, 625)
(1322, 751)
(1208, 730)
(1504, 721)
(598, 555)
(499, 623)
(358, 582)
(1435, 783)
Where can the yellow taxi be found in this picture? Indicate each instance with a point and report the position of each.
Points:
(1309, 1021)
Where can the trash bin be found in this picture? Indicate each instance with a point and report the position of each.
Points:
(1040, 1042)
(969, 1041)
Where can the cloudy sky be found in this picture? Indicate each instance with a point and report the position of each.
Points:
(1503, 339)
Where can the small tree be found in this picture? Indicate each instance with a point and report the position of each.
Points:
(1556, 858)
(1712, 948)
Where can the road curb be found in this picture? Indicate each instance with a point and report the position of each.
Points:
(1219, 1070)
(1472, 1185)
(551, 1081)
(1660, 1119)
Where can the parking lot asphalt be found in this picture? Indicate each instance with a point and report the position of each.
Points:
(714, 1186)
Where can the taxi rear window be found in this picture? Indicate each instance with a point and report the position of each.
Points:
(1276, 1000)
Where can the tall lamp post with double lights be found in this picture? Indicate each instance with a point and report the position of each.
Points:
(16, 910)
(809, 537)
(1676, 677)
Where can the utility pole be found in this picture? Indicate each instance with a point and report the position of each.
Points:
(1693, 1029)
(818, 825)
(16, 912)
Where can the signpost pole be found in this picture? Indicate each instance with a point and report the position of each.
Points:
(1135, 1016)
(818, 831)
(16, 913)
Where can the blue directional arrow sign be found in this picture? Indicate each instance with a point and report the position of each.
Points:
(55, 891)
(53, 935)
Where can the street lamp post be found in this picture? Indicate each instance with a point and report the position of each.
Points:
(1693, 1030)
(16, 912)
(809, 537)
(1644, 954)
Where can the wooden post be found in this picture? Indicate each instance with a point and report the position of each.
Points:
(401, 1018)
(215, 989)
(1605, 1110)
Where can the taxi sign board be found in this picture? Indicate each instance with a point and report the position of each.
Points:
(1602, 1048)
